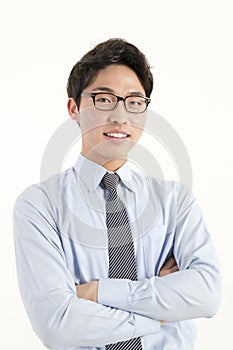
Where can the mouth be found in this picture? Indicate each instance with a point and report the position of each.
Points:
(116, 135)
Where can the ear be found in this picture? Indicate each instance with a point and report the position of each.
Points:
(73, 109)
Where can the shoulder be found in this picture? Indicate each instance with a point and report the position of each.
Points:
(154, 182)
(46, 192)
(168, 190)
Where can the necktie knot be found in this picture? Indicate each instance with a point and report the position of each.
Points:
(110, 181)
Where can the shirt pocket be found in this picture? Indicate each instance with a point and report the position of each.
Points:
(158, 247)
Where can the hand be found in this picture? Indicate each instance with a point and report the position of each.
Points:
(170, 266)
(88, 291)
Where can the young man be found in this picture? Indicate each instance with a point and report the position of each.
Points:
(117, 260)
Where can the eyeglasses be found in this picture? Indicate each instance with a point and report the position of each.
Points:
(105, 101)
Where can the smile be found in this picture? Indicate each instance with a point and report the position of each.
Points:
(116, 135)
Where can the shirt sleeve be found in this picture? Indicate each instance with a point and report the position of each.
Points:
(58, 316)
(192, 292)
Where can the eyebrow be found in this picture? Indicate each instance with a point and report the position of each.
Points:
(103, 88)
(107, 89)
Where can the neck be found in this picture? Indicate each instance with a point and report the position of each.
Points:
(114, 164)
(110, 165)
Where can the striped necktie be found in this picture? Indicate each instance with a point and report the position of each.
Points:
(122, 262)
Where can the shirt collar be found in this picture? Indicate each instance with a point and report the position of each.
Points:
(92, 173)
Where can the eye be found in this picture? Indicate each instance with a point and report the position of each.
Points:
(135, 101)
(104, 98)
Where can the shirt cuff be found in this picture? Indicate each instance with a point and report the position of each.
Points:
(145, 326)
(115, 293)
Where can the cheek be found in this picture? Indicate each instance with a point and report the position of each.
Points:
(91, 120)
(139, 124)
(136, 135)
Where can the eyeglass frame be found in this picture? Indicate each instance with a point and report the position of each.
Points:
(119, 98)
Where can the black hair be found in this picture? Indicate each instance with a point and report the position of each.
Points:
(112, 51)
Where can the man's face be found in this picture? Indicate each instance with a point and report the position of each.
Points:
(107, 136)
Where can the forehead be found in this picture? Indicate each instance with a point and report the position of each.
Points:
(119, 78)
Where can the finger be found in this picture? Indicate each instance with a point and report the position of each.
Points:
(169, 263)
(169, 267)
(174, 269)
(162, 322)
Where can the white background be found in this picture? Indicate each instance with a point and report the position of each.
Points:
(189, 44)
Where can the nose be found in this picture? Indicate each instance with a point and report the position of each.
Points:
(119, 114)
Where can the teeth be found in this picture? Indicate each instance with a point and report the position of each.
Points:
(119, 135)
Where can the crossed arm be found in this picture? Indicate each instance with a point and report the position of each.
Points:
(174, 295)
(89, 290)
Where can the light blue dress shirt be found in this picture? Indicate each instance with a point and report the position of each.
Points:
(61, 241)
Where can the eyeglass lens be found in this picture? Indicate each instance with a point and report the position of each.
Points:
(107, 101)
